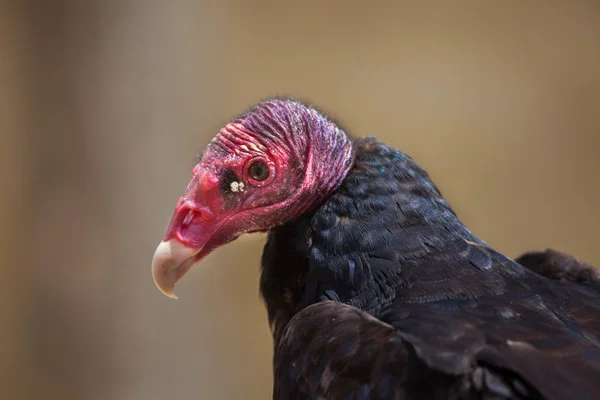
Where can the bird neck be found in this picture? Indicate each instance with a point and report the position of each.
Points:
(386, 202)
(284, 269)
(328, 159)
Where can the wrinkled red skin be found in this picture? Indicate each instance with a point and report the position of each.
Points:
(204, 207)
(307, 155)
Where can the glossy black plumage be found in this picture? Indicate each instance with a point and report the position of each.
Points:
(422, 309)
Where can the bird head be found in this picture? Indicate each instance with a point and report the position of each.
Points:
(269, 166)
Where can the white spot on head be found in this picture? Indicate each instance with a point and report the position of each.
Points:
(244, 147)
(237, 187)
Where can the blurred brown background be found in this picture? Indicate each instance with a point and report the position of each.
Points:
(104, 104)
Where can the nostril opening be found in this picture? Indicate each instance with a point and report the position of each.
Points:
(188, 218)
(188, 222)
(193, 216)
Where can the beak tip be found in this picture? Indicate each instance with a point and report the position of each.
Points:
(170, 294)
(168, 258)
(167, 290)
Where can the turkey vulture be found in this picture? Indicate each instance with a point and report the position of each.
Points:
(374, 288)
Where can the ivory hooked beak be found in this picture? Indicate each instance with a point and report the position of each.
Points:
(172, 259)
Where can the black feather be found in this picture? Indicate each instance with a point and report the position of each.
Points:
(423, 309)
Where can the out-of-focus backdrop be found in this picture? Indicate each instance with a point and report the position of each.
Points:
(105, 103)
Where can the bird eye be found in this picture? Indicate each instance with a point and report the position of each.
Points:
(259, 171)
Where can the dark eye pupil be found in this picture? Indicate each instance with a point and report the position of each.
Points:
(259, 171)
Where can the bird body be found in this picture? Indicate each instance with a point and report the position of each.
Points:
(390, 246)
(373, 286)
